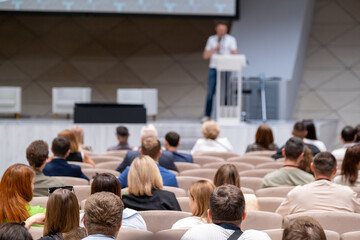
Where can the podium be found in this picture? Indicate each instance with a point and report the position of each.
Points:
(228, 101)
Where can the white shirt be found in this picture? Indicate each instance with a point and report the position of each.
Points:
(317, 143)
(227, 44)
(340, 152)
(209, 145)
(215, 232)
(188, 222)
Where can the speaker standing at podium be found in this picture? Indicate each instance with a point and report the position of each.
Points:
(223, 44)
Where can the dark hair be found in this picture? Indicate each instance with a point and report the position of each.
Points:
(14, 231)
(303, 228)
(227, 204)
(348, 134)
(324, 163)
(151, 146)
(60, 146)
(299, 126)
(172, 138)
(310, 127)
(106, 182)
(349, 166)
(122, 131)
(227, 174)
(357, 133)
(36, 153)
(264, 136)
(294, 147)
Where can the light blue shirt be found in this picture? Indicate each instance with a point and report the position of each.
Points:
(98, 236)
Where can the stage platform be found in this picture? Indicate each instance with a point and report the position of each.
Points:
(16, 135)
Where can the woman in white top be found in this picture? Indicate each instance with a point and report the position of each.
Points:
(200, 192)
(311, 135)
(211, 142)
(350, 168)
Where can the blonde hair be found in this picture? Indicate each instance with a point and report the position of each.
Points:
(210, 130)
(144, 176)
(200, 192)
(79, 134)
(74, 145)
(148, 131)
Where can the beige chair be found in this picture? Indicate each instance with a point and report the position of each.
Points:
(274, 191)
(269, 204)
(260, 173)
(42, 201)
(104, 158)
(82, 204)
(274, 234)
(112, 165)
(36, 232)
(174, 172)
(351, 235)
(82, 192)
(183, 166)
(185, 182)
(239, 166)
(90, 173)
(223, 155)
(264, 153)
(134, 234)
(260, 220)
(273, 165)
(157, 220)
(357, 190)
(71, 181)
(184, 203)
(179, 192)
(253, 183)
(254, 160)
(201, 160)
(91, 154)
(208, 173)
(81, 164)
(332, 235)
(170, 234)
(117, 153)
(246, 190)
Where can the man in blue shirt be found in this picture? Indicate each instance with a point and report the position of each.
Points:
(172, 142)
(151, 146)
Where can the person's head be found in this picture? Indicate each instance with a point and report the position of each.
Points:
(200, 192)
(79, 134)
(264, 136)
(227, 174)
(148, 131)
(172, 139)
(37, 153)
(16, 191)
(351, 164)
(144, 175)
(324, 165)
(122, 134)
(103, 214)
(62, 212)
(151, 146)
(357, 133)
(348, 134)
(106, 182)
(310, 128)
(227, 205)
(305, 163)
(60, 147)
(74, 145)
(294, 149)
(210, 130)
(221, 29)
(14, 231)
(303, 228)
(299, 130)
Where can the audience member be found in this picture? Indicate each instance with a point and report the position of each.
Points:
(103, 215)
(145, 187)
(75, 152)
(211, 142)
(305, 163)
(311, 137)
(357, 133)
(79, 135)
(14, 231)
(348, 138)
(199, 195)
(36, 154)
(264, 140)
(303, 228)
(289, 174)
(172, 142)
(350, 167)
(166, 159)
(321, 195)
(151, 147)
(122, 135)
(58, 165)
(227, 211)
(16, 191)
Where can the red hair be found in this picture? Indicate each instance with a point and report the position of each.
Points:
(15, 193)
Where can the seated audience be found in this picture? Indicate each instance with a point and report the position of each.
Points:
(264, 140)
(37, 154)
(211, 142)
(228, 174)
(103, 215)
(166, 159)
(172, 142)
(151, 147)
(350, 167)
(310, 137)
(58, 166)
(75, 154)
(16, 191)
(14, 231)
(357, 133)
(322, 194)
(122, 135)
(298, 131)
(145, 188)
(199, 195)
(305, 163)
(289, 174)
(303, 228)
(227, 211)
(348, 138)
(79, 135)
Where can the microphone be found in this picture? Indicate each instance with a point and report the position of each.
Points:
(219, 40)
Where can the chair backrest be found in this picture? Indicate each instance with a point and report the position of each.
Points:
(104, 158)
(81, 164)
(254, 160)
(273, 165)
(134, 234)
(91, 154)
(208, 173)
(269, 204)
(82, 204)
(183, 166)
(246, 190)
(42, 201)
(82, 192)
(256, 172)
(179, 192)
(253, 183)
(274, 191)
(274, 234)
(356, 189)
(117, 153)
(112, 165)
(264, 153)
(351, 235)
(71, 181)
(223, 155)
(90, 173)
(185, 182)
(184, 204)
(260, 220)
(202, 160)
(157, 220)
(36, 232)
(332, 235)
(170, 234)
(239, 166)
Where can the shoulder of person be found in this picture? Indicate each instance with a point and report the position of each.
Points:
(254, 235)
